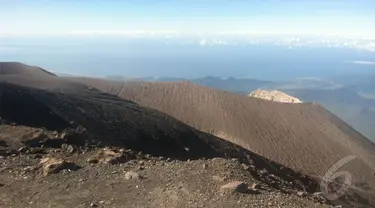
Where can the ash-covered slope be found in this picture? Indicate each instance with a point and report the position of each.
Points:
(305, 137)
(108, 120)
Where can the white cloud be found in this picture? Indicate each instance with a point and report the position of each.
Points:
(165, 33)
(363, 62)
(211, 42)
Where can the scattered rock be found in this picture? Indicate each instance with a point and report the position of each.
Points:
(234, 160)
(93, 205)
(74, 136)
(36, 139)
(263, 172)
(68, 148)
(53, 165)
(319, 196)
(205, 166)
(235, 186)
(53, 142)
(255, 186)
(29, 169)
(23, 149)
(301, 193)
(130, 175)
(108, 156)
(245, 167)
(92, 160)
(140, 168)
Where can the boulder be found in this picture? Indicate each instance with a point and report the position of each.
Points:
(130, 175)
(235, 186)
(74, 136)
(54, 165)
(36, 139)
(68, 148)
(108, 156)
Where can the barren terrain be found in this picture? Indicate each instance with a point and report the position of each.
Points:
(286, 148)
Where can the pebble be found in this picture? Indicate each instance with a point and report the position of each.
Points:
(93, 205)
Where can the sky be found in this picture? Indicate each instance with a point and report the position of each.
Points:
(67, 17)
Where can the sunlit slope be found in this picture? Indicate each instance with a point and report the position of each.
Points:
(302, 136)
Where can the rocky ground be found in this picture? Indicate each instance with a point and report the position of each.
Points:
(70, 175)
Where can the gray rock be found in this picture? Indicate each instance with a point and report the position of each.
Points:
(130, 175)
(301, 193)
(68, 148)
(245, 167)
(235, 186)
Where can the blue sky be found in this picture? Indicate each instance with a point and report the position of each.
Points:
(27, 17)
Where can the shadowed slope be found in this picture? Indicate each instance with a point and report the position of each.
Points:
(304, 136)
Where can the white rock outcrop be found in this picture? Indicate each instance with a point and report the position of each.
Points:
(274, 95)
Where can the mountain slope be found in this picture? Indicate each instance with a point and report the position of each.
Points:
(186, 171)
(111, 121)
(348, 105)
(305, 137)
